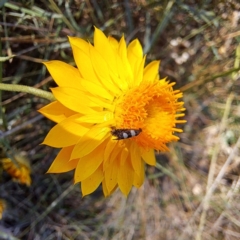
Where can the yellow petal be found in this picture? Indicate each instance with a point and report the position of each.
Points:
(105, 191)
(125, 177)
(87, 165)
(64, 74)
(96, 118)
(73, 99)
(65, 133)
(139, 178)
(136, 158)
(124, 69)
(89, 141)
(91, 183)
(139, 77)
(106, 52)
(79, 43)
(82, 58)
(61, 163)
(97, 90)
(135, 58)
(124, 155)
(149, 157)
(56, 112)
(100, 102)
(104, 187)
(111, 174)
(114, 44)
(115, 155)
(110, 147)
(134, 51)
(101, 68)
(151, 71)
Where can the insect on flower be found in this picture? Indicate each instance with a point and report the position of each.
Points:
(125, 133)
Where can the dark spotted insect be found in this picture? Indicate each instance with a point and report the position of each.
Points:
(121, 134)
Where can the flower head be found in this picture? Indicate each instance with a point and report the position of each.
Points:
(111, 113)
(19, 170)
(3, 206)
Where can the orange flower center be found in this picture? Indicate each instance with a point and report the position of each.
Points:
(151, 107)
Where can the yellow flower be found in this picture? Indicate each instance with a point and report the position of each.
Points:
(108, 98)
(2, 207)
(19, 170)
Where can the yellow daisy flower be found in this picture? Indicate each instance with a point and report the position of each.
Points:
(19, 171)
(111, 113)
(2, 207)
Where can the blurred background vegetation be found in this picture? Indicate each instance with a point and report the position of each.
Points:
(193, 193)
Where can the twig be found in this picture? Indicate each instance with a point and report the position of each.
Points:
(213, 187)
(232, 192)
(50, 208)
(17, 128)
(213, 166)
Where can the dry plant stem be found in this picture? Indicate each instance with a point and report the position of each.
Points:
(18, 127)
(232, 219)
(21, 88)
(229, 198)
(211, 174)
(4, 235)
(204, 81)
(162, 24)
(58, 10)
(2, 116)
(236, 63)
(213, 186)
(143, 213)
(50, 208)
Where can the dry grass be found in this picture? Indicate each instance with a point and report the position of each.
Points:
(193, 193)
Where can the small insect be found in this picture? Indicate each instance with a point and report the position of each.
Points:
(125, 133)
